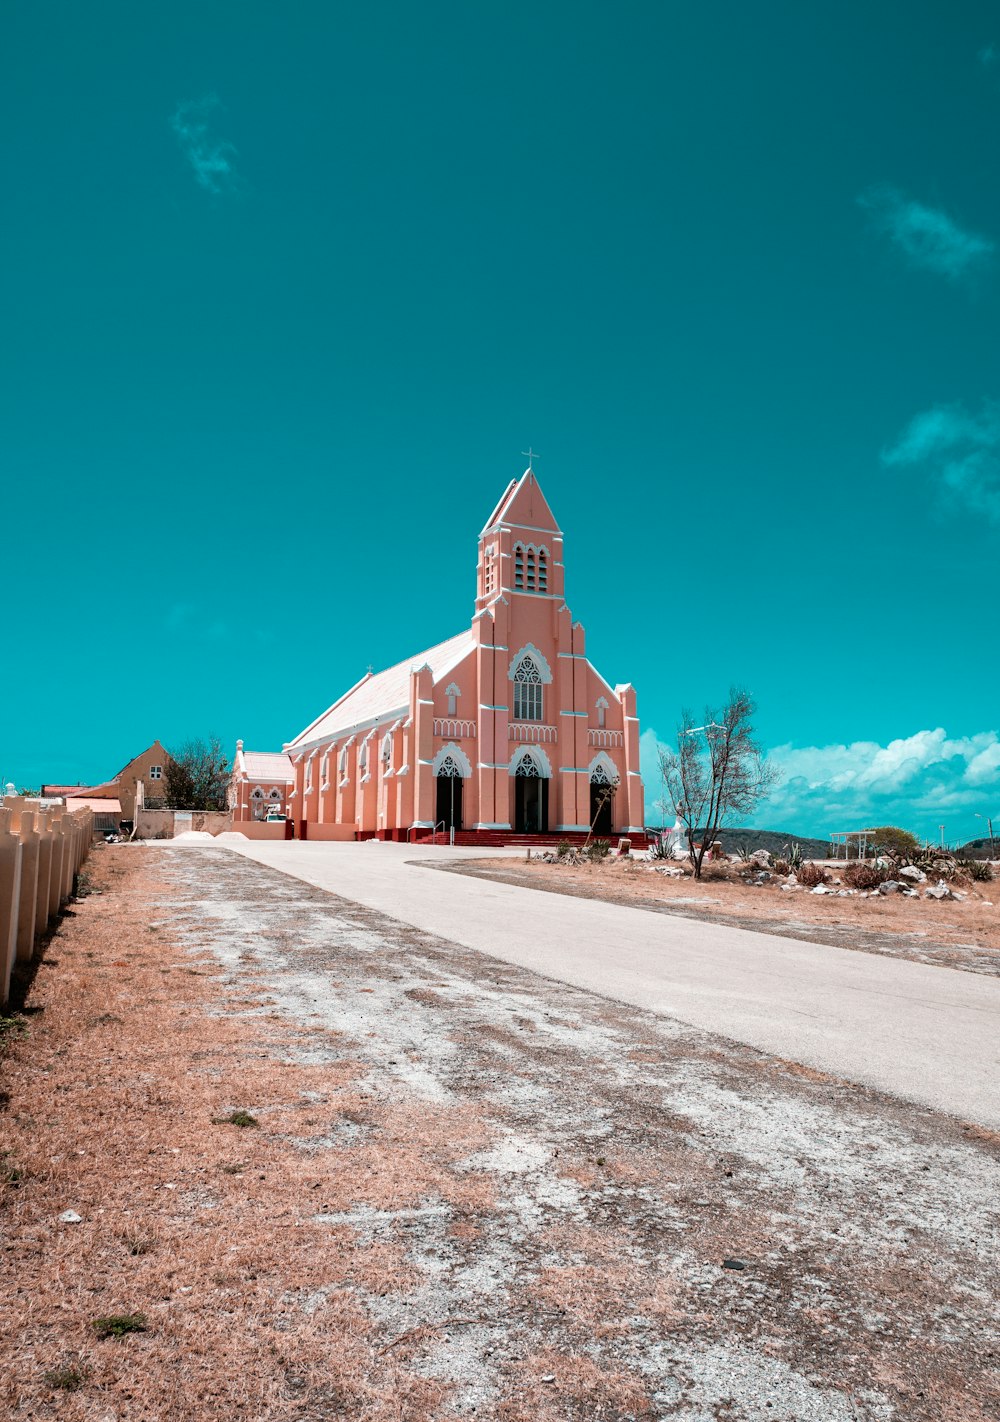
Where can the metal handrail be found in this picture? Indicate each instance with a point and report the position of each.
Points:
(439, 826)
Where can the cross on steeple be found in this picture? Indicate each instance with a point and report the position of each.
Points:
(529, 454)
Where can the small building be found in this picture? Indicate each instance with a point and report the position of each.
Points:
(149, 767)
(506, 727)
(261, 784)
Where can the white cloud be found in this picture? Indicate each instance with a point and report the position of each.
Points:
(927, 237)
(211, 158)
(915, 781)
(960, 449)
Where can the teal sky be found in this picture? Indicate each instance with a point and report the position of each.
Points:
(286, 290)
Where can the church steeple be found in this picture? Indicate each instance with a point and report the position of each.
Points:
(520, 547)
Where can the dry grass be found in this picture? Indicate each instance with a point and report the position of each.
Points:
(205, 1230)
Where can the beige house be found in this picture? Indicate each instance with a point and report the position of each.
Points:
(150, 766)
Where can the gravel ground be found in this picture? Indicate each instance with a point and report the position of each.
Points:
(472, 1191)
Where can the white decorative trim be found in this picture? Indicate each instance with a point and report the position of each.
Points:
(577, 829)
(602, 703)
(603, 760)
(452, 690)
(530, 650)
(458, 756)
(487, 765)
(572, 713)
(488, 825)
(535, 753)
(484, 707)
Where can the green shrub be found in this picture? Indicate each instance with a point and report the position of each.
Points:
(598, 848)
(979, 869)
(563, 848)
(116, 1325)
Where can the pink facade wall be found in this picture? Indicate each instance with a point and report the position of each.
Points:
(380, 777)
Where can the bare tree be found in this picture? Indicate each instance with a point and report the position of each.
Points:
(196, 776)
(718, 770)
(605, 795)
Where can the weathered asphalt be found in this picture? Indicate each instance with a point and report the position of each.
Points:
(927, 1034)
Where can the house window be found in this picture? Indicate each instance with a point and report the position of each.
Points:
(527, 691)
(156, 772)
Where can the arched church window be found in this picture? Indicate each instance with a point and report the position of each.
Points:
(275, 793)
(363, 757)
(527, 767)
(519, 567)
(527, 691)
(342, 764)
(530, 582)
(449, 766)
(256, 793)
(543, 570)
(602, 711)
(452, 692)
(387, 749)
(599, 776)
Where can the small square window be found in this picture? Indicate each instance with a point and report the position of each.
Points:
(156, 772)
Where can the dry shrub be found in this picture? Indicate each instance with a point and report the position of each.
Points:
(810, 874)
(860, 874)
(782, 867)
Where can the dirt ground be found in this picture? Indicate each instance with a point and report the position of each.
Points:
(470, 1191)
(953, 933)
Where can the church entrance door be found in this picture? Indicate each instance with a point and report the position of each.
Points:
(531, 799)
(449, 801)
(600, 809)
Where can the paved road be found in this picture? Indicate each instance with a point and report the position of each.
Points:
(927, 1034)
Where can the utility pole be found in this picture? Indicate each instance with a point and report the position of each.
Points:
(989, 823)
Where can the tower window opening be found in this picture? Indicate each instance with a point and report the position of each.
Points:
(530, 584)
(543, 571)
(519, 567)
(527, 692)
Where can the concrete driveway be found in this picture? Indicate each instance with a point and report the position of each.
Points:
(927, 1034)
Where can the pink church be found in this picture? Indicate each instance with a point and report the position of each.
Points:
(505, 728)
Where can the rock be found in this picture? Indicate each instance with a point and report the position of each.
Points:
(734, 1264)
(761, 858)
(889, 886)
(911, 872)
(820, 889)
(911, 893)
(939, 890)
(70, 1217)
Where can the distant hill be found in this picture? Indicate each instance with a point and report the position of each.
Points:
(977, 848)
(776, 842)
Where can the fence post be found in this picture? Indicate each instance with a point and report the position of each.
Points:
(29, 837)
(58, 860)
(44, 870)
(10, 894)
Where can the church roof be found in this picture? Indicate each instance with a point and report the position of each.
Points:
(267, 765)
(524, 506)
(384, 694)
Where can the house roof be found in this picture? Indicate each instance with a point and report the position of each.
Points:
(99, 805)
(385, 693)
(59, 792)
(268, 765)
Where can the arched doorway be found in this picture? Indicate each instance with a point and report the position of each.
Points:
(602, 794)
(449, 794)
(531, 797)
